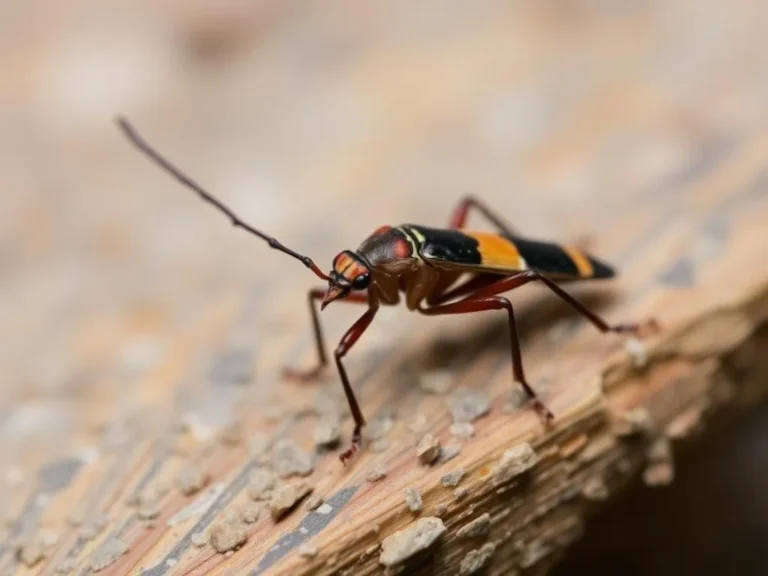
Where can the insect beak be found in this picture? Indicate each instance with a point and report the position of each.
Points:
(334, 291)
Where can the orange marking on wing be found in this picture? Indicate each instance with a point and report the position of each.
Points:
(580, 259)
(381, 230)
(496, 251)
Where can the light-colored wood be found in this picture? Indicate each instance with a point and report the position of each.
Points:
(142, 335)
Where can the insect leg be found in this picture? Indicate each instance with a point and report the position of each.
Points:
(345, 344)
(517, 280)
(459, 217)
(650, 325)
(322, 358)
(472, 285)
(479, 304)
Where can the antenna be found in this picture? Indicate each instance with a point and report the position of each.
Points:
(131, 133)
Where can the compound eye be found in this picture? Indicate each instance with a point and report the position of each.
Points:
(361, 282)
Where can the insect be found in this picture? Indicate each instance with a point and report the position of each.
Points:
(437, 271)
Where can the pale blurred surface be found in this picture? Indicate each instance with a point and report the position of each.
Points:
(317, 121)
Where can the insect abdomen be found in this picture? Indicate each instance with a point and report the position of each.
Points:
(560, 260)
(504, 254)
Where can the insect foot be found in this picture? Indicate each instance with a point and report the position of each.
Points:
(544, 413)
(350, 452)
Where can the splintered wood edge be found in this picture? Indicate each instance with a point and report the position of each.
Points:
(602, 445)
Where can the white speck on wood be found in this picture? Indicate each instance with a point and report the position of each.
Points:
(416, 539)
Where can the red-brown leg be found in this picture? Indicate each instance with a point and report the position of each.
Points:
(471, 286)
(517, 280)
(459, 218)
(345, 344)
(322, 358)
(478, 304)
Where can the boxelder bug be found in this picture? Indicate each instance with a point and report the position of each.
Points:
(425, 264)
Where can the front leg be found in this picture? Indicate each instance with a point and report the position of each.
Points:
(315, 295)
(349, 339)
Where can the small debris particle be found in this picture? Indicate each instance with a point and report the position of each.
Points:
(452, 479)
(533, 552)
(459, 493)
(419, 424)
(463, 430)
(314, 502)
(250, 512)
(229, 553)
(477, 560)
(436, 381)
(638, 352)
(199, 539)
(428, 449)
(47, 538)
(660, 451)
(378, 427)
(380, 445)
(515, 461)
(413, 499)
(31, 552)
(416, 539)
(440, 510)
(285, 497)
(107, 554)
(226, 536)
(260, 484)
(660, 474)
(684, 424)
(148, 510)
(467, 405)
(94, 527)
(633, 423)
(191, 479)
(595, 489)
(516, 400)
(171, 562)
(327, 432)
(307, 551)
(66, 566)
(231, 434)
(325, 508)
(480, 526)
(660, 470)
(290, 460)
(569, 531)
(378, 473)
(449, 452)
(573, 445)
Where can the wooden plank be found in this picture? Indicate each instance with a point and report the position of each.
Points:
(142, 336)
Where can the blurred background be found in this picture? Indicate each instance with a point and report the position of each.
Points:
(318, 121)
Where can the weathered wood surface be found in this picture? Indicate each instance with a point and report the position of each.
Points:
(138, 328)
